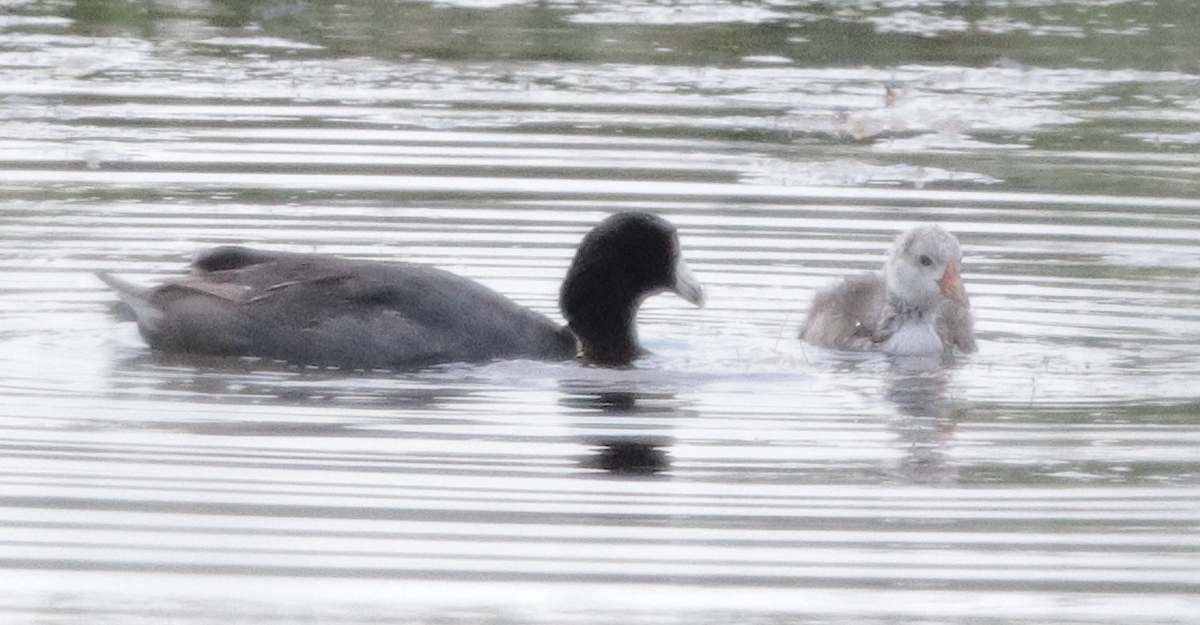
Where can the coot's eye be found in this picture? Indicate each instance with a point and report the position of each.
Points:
(925, 261)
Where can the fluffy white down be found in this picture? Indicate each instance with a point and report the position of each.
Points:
(907, 278)
(913, 338)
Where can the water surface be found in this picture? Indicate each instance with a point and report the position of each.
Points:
(734, 476)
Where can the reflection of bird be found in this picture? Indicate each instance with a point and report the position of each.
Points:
(311, 309)
(917, 306)
(630, 457)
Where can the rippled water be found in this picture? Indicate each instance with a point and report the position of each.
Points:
(736, 476)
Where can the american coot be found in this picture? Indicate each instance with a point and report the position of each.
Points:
(917, 306)
(310, 309)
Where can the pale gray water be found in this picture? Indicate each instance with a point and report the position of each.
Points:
(1053, 477)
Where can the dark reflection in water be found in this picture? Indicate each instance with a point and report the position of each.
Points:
(616, 398)
(624, 450)
(630, 457)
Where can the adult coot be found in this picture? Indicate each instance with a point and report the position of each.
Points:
(917, 306)
(311, 309)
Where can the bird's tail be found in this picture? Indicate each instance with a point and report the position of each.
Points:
(136, 297)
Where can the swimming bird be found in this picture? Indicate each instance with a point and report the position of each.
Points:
(313, 309)
(916, 306)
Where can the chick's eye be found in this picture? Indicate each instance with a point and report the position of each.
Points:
(925, 261)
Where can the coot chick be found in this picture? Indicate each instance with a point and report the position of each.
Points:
(916, 306)
(313, 309)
